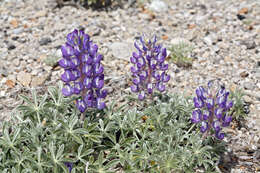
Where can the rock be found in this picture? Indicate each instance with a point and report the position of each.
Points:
(22, 40)
(12, 77)
(243, 11)
(249, 85)
(96, 32)
(3, 71)
(38, 80)
(245, 157)
(244, 74)
(122, 50)
(40, 14)
(17, 31)
(256, 156)
(257, 74)
(45, 41)
(247, 99)
(15, 38)
(241, 17)
(250, 44)
(16, 62)
(228, 59)
(10, 46)
(24, 78)
(208, 40)
(177, 70)
(2, 93)
(258, 64)
(248, 163)
(158, 6)
(257, 96)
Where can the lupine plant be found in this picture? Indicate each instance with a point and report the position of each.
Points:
(149, 70)
(46, 135)
(212, 109)
(83, 71)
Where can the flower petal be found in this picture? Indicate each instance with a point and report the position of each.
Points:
(196, 116)
(141, 95)
(67, 90)
(80, 104)
(204, 126)
(134, 88)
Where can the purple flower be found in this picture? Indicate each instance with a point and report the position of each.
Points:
(134, 88)
(216, 125)
(212, 106)
(141, 95)
(69, 165)
(83, 72)
(206, 114)
(219, 135)
(198, 102)
(226, 120)
(204, 126)
(210, 103)
(219, 113)
(67, 90)
(149, 70)
(196, 116)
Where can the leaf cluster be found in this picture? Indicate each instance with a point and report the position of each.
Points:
(180, 54)
(45, 133)
(240, 107)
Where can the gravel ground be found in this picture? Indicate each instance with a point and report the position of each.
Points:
(225, 35)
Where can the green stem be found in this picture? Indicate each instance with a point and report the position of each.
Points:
(190, 129)
(38, 117)
(82, 117)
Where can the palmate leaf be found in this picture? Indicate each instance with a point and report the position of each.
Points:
(39, 161)
(103, 165)
(27, 100)
(58, 158)
(81, 155)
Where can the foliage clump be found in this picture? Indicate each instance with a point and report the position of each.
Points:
(240, 108)
(180, 54)
(49, 137)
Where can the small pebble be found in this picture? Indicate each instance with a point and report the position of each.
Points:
(11, 46)
(240, 17)
(44, 41)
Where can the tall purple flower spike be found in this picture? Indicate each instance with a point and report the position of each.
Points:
(83, 71)
(212, 109)
(149, 70)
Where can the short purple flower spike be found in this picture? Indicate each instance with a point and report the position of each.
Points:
(83, 71)
(212, 109)
(149, 70)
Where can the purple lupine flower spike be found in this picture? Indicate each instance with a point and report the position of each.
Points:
(83, 73)
(149, 70)
(212, 107)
